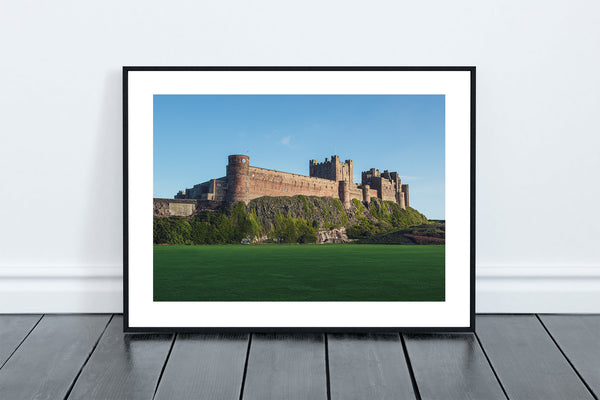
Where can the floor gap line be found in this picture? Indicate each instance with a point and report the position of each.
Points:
(411, 372)
(21, 342)
(246, 366)
(490, 364)
(566, 358)
(162, 371)
(88, 358)
(327, 373)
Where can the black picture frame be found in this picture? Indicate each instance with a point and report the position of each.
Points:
(128, 328)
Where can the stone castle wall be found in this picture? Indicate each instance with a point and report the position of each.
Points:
(334, 178)
(356, 193)
(183, 207)
(268, 182)
(369, 194)
(387, 191)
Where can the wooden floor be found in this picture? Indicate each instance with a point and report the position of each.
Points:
(510, 356)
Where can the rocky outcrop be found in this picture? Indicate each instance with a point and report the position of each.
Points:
(332, 236)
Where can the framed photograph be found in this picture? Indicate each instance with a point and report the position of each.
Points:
(299, 198)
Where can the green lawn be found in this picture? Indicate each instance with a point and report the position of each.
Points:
(344, 272)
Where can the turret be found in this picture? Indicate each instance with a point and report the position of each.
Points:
(344, 193)
(237, 178)
(401, 201)
(405, 191)
(365, 192)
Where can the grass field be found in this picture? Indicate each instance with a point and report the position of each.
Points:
(344, 272)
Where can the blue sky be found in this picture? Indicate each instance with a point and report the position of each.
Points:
(194, 134)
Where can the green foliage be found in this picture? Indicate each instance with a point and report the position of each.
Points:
(388, 217)
(391, 213)
(243, 224)
(428, 233)
(208, 227)
(293, 230)
(365, 228)
(358, 204)
(173, 230)
(287, 219)
(304, 205)
(212, 227)
(338, 204)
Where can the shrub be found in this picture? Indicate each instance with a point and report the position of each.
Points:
(293, 230)
(172, 230)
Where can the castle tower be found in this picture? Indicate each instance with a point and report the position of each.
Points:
(401, 200)
(405, 191)
(237, 178)
(334, 170)
(349, 171)
(365, 191)
(344, 193)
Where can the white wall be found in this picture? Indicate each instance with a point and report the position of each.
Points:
(538, 127)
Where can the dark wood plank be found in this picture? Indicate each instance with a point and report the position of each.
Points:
(205, 367)
(13, 329)
(526, 360)
(286, 366)
(46, 364)
(579, 338)
(368, 366)
(123, 366)
(451, 366)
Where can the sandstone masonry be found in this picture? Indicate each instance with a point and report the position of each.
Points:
(331, 178)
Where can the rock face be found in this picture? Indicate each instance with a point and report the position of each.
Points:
(327, 213)
(320, 212)
(332, 236)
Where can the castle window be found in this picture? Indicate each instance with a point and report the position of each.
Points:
(218, 184)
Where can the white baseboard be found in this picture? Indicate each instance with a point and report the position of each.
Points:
(539, 289)
(48, 289)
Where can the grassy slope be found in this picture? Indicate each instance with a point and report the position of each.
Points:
(299, 273)
(431, 233)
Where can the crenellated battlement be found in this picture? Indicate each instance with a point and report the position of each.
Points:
(334, 170)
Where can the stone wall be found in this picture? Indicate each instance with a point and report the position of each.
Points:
(388, 191)
(268, 182)
(355, 193)
(371, 193)
(183, 207)
(332, 178)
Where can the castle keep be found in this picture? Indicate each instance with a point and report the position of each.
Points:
(331, 178)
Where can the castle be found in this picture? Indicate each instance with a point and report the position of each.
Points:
(332, 178)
